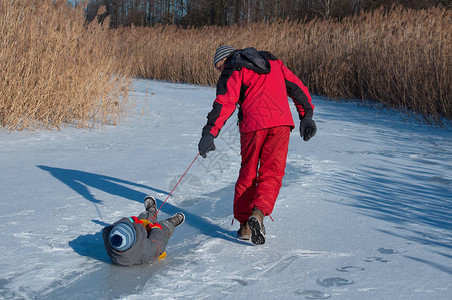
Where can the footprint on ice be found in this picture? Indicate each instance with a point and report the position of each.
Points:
(373, 258)
(387, 251)
(311, 294)
(241, 281)
(334, 281)
(349, 269)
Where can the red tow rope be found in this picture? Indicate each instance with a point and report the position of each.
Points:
(177, 183)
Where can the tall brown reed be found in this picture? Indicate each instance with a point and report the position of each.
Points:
(401, 58)
(55, 70)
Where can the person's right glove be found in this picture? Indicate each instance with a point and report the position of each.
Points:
(206, 144)
(307, 128)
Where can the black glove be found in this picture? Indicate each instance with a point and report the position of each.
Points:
(307, 128)
(206, 144)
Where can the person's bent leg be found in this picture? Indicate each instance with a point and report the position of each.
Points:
(160, 234)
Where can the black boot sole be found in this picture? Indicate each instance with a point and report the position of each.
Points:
(257, 235)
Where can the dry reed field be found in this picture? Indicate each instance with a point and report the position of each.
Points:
(54, 70)
(401, 58)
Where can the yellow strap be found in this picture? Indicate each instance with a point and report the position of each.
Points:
(146, 222)
(147, 225)
(162, 256)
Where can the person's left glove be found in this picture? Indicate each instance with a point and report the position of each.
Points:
(307, 128)
(206, 144)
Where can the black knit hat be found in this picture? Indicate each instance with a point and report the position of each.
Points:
(221, 53)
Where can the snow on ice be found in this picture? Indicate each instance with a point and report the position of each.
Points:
(365, 210)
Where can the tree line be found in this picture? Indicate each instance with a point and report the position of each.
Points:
(228, 12)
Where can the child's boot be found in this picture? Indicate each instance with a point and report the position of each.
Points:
(177, 219)
(150, 204)
(151, 208)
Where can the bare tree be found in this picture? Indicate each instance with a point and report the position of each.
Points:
(324, 8)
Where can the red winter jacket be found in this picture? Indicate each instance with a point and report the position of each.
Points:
(259, 83)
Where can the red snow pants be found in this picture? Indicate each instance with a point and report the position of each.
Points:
(264, 154)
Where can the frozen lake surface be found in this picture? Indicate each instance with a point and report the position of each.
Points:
(365, 211)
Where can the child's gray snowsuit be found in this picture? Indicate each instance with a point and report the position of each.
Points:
(147, 247)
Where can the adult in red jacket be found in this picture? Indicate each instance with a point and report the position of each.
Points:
(258, 83)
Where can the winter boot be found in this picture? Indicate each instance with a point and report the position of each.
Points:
(177, 219)
(150, 204)
(244, 233)
(151, 207)
(169, 224)
(256, 224)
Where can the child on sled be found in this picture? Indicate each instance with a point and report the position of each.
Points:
(140, 240)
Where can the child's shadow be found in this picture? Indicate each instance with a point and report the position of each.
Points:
(91, 245)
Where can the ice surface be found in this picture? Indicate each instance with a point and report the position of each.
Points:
(365, 210)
